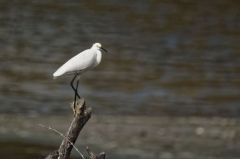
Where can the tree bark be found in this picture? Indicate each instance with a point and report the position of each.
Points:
(81, 116)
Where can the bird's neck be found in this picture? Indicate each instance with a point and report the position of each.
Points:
(99, 56)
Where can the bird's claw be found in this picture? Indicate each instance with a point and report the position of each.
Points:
(73, 106)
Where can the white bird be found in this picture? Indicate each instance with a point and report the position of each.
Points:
(81, 63)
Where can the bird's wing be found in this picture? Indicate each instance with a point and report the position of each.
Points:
(78, 63)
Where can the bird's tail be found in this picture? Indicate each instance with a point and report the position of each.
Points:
(54, 77)
(58, 73)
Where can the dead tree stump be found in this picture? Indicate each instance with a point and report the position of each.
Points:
(81, 116)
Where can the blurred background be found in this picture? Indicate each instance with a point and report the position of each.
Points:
(169, 87)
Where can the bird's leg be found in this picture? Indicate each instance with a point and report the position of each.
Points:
(75, 98)
(73, 82)
(75, 91)
(72, 85)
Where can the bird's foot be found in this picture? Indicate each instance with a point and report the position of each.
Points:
(78, 106)
(73, 106)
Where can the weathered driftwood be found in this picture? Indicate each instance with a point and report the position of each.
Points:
(102, 155)
(81, 116)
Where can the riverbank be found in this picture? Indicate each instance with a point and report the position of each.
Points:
(130, 136)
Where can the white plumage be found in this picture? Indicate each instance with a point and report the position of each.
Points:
(82, 62)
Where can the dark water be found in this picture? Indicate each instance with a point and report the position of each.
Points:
(165, 57)
(178, 58)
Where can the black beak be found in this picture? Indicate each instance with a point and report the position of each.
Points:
(104, 49)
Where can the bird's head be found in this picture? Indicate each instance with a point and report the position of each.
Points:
(99, 47)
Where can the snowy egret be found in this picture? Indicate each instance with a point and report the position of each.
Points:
(81, 63)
